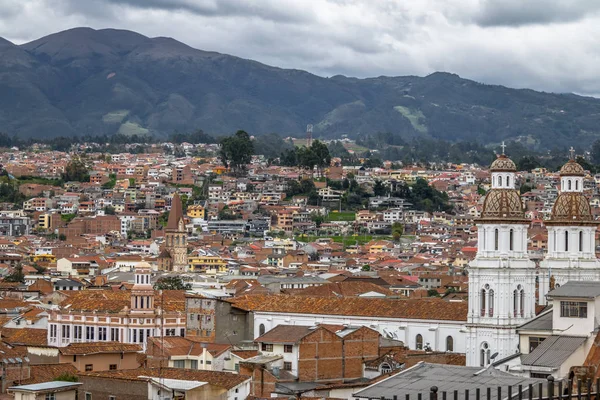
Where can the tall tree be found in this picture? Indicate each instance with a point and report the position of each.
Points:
(237, 151)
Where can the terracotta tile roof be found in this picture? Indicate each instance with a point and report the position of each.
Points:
(99, 348)
(430, 309)
(344, 289)
(284, 334)
(25, 336)
(245, 354)
(222, 379)
(48, 372)
(115, 301)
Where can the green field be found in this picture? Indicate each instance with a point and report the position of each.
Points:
(341, 216)
(415, 117)
(347, 240)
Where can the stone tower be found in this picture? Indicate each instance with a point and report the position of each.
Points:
(502, 276)
(176, 237)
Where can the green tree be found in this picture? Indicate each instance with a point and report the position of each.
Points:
(62, 237)
(366, 267)
(108, 210)
(236, 151)
(433, 293)
(172, 283)
(525, 188)
(16, 275)
(379, 189)
(76, 170)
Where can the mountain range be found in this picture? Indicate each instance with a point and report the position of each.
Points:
(86, 81)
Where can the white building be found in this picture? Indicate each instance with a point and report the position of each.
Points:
(502, 277)
(571, 252)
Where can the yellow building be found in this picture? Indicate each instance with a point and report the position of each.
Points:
(44, 221)
(210, 263)
(196, 211)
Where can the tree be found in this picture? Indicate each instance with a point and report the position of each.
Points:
(16, 276)
(321, 155)
(172, 283)
(62, 237)
(108, 210)
(433, 293)
(525, 188)
(379, 189)
(366, 267)
(77, 171)
(236, 151)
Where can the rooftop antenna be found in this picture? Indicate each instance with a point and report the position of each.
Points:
(309, 131)
(503, 147)
(572, 153)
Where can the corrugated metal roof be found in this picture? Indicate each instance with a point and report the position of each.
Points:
(541, 323)
(447, 378)
(577, 289)
(553, 351)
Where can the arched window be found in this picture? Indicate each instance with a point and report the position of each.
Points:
(511, 239)
(515, 302)
(419, 342)
(580, 240)
(483, 294)
(576, 185)
(385, 368)
(496, 239)
(508, 181)
(449, 343)
(491, 303)
(484, 358)
(569, 184)
(261, 329)
(522, 302)
(567, 241)
(499, 181)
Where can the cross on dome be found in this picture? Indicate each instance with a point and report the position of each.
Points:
(503, 146)
(572, 152)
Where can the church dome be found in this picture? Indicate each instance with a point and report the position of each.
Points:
(502, 204)
(142, 266)
(572, 168)
(571, 207)
(503, 164)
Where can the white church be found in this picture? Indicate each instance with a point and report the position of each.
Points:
(502, 277)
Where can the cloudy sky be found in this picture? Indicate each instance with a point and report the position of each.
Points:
(551, 45)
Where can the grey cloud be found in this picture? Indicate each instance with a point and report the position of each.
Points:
(530, 12)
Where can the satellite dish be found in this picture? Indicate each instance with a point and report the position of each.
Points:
(493, 357)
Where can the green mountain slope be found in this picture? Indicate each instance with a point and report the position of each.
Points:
(85, 81)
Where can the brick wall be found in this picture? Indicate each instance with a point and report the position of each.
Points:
(101, 388)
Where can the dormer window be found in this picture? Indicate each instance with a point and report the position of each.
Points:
(573, 309)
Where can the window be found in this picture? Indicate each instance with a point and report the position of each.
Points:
(515, 302)
(77, 332)
(483, 296)
(89, 367)
(287, 366)
(569, 184)
(89, 333)
(261, 329)
(66, 331)
(534, 342)
(449, 343)
(112, 367)
(267, 347)
(580, 240)
(287, 348)
(182, 332)
(507, 181)
(170, 332)
(567, 241)
(484, 357)
(499, 181)
(208, 362)
(576, 185)
(112, 397)
(179, 364)
(496, 234)
(522, 301)
(53, 331)
(419, 342)
(491, 303)
(385, 368)
(88, 396)
(194, 364)
(114, 334)
(573, 309)
(511, 239)
(50, 396)
(102, 333)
